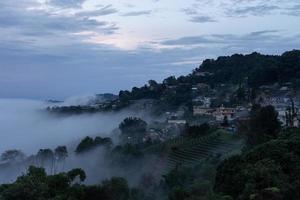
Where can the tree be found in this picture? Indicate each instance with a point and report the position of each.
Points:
(241, 94)
(178, 193)
(85, 144)
(74, 173)
(132, 129)
(89, 143)
(225, 122)
(115, 189)
(37, 185)
(107, 142)
(152, 83)
(46, 157)
(12, 156)
(60, 153)
(269, 171)
(195, 131)
(170, 81)
(263, 125)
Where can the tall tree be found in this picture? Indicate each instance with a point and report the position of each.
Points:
(263, 125)
(46, 157)
(60, 153)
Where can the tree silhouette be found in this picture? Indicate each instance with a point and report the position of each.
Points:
(60, 153)
(46, 157)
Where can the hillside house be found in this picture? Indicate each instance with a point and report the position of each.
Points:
(223, 112)
(177, 121)
(205, 102)
(200, 110)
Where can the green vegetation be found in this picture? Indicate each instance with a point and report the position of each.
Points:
(132, 130)
(263, 125)
(189, 183)
(89, 143)
(254, 69)
(12, 156)
(269, 171)
(36, 185)
(189, 152)
(257, 68)
(195, 131)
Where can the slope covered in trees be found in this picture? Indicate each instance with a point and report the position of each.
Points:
(257, 68)
(269, 171)
(254, 69)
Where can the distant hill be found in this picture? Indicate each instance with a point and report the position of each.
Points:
(249, 72)
(253, 70)
(257, 68)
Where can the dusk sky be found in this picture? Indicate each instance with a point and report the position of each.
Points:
(61, 48)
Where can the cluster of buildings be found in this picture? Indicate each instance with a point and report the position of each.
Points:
(221, 114)
(288, 110)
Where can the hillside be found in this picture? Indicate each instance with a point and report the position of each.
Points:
(246, 72)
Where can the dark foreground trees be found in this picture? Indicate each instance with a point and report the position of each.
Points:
(270, 171)
(263, 125)
(36, 185)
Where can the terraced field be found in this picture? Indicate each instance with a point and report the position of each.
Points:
(190, 151)
(193, 152)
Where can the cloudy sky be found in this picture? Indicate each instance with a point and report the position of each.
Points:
(61, 48)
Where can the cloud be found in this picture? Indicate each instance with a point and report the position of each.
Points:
(105, 10)
(66, 3)
(58, 51)
(257, 10)
(202, 19)
(294, 10)
(137, 13)
(43, 28)
(193, 40)
(196, 17)
(253, 40)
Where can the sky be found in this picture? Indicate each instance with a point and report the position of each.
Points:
(54, 49)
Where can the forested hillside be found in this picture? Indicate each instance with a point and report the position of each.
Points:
(257, 68)
(253, 70)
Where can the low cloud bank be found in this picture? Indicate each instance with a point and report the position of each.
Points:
(24, 125)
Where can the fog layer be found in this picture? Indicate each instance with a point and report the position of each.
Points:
(25, 125)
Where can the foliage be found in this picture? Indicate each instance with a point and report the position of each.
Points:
(76, 173)
(254, 69)
(132, 129)
(89, 143)
(190, 183)
(61, 153)
(269, 171)
(195, 131)
(263, 125)
(36, 185)
(132, 124)
(12, 156)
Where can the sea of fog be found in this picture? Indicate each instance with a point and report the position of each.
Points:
(26, 126)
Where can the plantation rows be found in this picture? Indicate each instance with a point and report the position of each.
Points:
(193, 152)
(178, 141)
